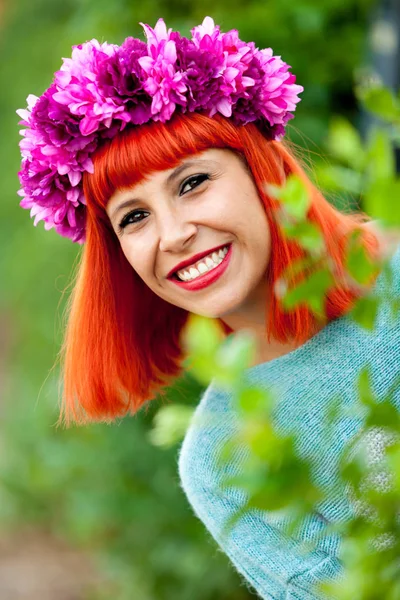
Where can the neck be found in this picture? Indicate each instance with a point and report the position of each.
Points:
(252, 318)
(265, 350)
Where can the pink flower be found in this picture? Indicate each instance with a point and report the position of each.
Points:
(104, 88)
(164, 82)
(78, 89)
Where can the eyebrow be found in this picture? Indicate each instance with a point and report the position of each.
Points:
(175, 173)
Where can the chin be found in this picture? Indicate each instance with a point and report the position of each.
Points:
(216, 314)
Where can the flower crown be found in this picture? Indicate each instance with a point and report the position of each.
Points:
(103, 88)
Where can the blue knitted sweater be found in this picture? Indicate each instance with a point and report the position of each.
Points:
(305, 381)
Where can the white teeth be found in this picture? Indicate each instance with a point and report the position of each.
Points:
(202, 268)
(194, 272)
(207, 264)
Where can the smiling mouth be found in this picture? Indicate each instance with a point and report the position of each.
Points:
(205, 265)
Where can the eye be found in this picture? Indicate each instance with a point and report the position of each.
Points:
(129, 218)
(193, 181)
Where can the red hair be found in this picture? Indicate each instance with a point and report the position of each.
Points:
(122, 344)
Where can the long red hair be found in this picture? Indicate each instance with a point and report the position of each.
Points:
(122, 344)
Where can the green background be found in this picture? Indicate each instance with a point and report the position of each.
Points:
(104, 492)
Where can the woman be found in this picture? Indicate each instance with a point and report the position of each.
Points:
(158, 156)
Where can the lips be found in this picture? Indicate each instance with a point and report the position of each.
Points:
(206, 279)
(193, 259)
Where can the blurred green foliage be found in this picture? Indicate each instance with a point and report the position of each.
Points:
(273, 475)
(107, 488)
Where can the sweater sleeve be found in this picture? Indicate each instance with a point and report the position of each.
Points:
(277, 566)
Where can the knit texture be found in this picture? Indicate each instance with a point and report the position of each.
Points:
(305, 382)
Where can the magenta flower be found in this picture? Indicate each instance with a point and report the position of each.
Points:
(207, 34)
(104, 88)
(164, 83)
(77, 86)
(122, 78)
(231, 56)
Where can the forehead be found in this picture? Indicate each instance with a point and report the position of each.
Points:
(214, 158)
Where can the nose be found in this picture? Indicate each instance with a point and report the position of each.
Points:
(176, 233)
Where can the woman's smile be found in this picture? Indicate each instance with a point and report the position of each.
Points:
(207, 271)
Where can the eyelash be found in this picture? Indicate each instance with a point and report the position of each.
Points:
(125, 220)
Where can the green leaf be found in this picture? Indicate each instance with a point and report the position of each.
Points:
(311, 291)
(258, 435)
(201, 335)
(383, 414)
(393, 460)
(336, 178)
(293, 269)
(170, 425)
(381, 102)
(380, 156)
(201, 338)
(353, 471)
(366, 395)
(357, 262)
(395, 309)
(255, 400)
(293, 196)
(270, 497)
(345, 143)
(365, 312)
(381, 201)
(287, 486)
(202, 368)
(236, 353)
(307, 234)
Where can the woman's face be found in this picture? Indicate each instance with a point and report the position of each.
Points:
(208, 202)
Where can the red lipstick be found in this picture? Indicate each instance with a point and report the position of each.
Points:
(207, 278)
(193, 259)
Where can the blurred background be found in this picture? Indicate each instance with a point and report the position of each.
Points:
(97, 513)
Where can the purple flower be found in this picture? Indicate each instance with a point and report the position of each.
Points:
(278, 94)
(201, 73)
(122, 78)
(77, 87)
(207, 34)
(230, 58)
(54, 156)
(165, 84)
(51, 198)
(103, 88)
(57, 125)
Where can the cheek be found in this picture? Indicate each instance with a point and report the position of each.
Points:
(248, 209)
(141, 261)
(257, 223)
(128, 253)
(229, 205)
(135, 256)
